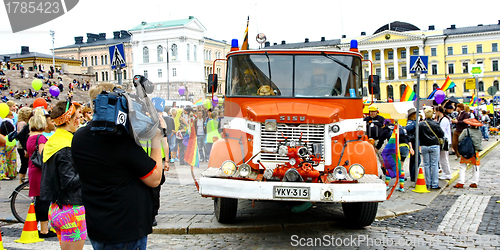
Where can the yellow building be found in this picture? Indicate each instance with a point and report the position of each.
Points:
(213, 50)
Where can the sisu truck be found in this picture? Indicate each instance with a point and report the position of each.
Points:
(293, 130)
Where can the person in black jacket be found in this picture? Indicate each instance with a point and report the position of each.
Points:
(60, 180)
(429, 134)
(374, 123)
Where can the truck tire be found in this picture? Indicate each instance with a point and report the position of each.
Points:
(225, 209)
(360, 214)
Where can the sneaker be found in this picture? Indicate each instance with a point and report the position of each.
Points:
(50, 234)
(176, 159)
(473, 185)
(172, 160)
(458, 185)
(155, 223)
(386, 187)
(444, 177)
(400, 189)
(438, 187)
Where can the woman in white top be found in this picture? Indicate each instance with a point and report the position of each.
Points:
(444, 122)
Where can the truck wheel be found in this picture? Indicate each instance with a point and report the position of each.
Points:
(360, 214)
(225, 209)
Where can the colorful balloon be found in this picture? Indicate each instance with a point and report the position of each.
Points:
(439, 96)
(215, 100)
(36, 84)
(54, 91)
(207, 104)
(182, 89)
(4, 110)
(40, 102)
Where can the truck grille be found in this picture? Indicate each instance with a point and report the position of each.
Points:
(312, 133)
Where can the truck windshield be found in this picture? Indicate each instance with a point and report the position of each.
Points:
(320, 76)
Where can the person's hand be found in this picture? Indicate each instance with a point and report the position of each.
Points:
(412, 152)
(162, 122)
(166, 167)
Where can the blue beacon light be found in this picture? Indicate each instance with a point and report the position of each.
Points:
(354, 46)
(234, 45)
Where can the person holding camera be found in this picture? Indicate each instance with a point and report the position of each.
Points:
(117, 178)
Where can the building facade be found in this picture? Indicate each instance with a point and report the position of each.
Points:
(215, 52)
(450, 52)
(95, 58)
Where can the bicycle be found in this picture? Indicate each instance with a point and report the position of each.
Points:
(20, 201)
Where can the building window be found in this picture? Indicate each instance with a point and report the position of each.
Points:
(92, 61)
(365, 56)
(378, 72)
(452, 90)
(159, 53)
(96, 76)
(195, 55)
(415, 89)
(391, 73)
(365, 91)
(465, 88)
(174, 52)
(366, 74)
(402, 88)
(102, 60)
(434, 86)
(188, 48)
(107, 76)
(434, 69)
(218, 71)
(174, 72)
(433, 52)
(106, 59)
(83, 62)
(465, 67)
(403, 54)
(210, 55)
(116, 77)
(377, 55)
(146, 73)
(494, 65)
(479, 48)
(124, 75)
(160, 73)
(390, 55)
(481, 86)
(390, 92)
(403, 71)
(450, 51)
(495, 84)
(102, 74)
(415, 52)
(451, 68)
(494, 47)
(464, 49)
(145, 55)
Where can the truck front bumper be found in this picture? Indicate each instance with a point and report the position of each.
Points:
(369, 189)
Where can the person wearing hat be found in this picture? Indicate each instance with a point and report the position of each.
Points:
(475, 134)
(460, 126)
(411, 122)
(249, 86)
(429, 134)
(374, 122)
(444, 122)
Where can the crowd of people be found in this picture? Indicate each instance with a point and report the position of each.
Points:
(441, 129)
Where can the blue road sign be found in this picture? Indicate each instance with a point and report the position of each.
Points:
(419, 63)
(117, 55)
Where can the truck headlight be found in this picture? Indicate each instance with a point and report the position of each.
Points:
(340, 173)
(356, 171)
(228, 168)
(270, 125)
(335, 128)
(244, 170)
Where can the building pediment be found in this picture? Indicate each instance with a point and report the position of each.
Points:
(389, 36)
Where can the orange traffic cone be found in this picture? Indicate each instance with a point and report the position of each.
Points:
(420, 186)
(30, 231)
(1, 243)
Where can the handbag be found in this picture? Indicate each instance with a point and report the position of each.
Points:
(466, 147)
(441, 140)
(37, 158)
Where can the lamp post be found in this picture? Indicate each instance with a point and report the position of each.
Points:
(52, 33)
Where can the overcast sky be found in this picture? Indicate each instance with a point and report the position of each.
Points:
(224, 20)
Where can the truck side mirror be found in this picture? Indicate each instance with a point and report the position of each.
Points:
(212, 83)
(374, 81)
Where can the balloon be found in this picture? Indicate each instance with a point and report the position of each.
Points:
(182, 89)
(159, 103)
(54, 91)
(215, 100)
(207, 104)
(40, 102)
(4, 110)
(439, 96)
(36, 84)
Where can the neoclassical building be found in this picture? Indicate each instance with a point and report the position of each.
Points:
(215, 51)
(450, 51)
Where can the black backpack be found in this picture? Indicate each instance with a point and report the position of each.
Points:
(466, 147)
(22, 136)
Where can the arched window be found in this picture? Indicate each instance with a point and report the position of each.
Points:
(434, 86)
(402, 90)
(210, 55)
(124, 75)
(495, 84)
(145, 55)
(174, 52)
(415, 89)
(390, 92)
(159, 53)
(96, 76)
(195, 56)
(481, 86)
(102, 74)
(188, 51)
(107, 79)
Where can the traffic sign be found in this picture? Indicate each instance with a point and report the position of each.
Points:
(419, 63)
(476, 70)
(117, 56)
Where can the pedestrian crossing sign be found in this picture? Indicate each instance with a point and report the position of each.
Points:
(117, 56)
(419, 64)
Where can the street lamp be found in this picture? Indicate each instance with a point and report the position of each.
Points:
(52, 33)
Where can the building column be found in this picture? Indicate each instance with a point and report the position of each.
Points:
(408, 75)
(370, 57)
(382, 65)
(396, 65)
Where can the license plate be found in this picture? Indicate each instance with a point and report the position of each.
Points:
(292, 192)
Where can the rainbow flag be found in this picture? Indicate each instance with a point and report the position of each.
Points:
(191, 155)
(473, 100)
(390, 154)
(199, 102)
(448, 84)
(244, 45)
(408, 95)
